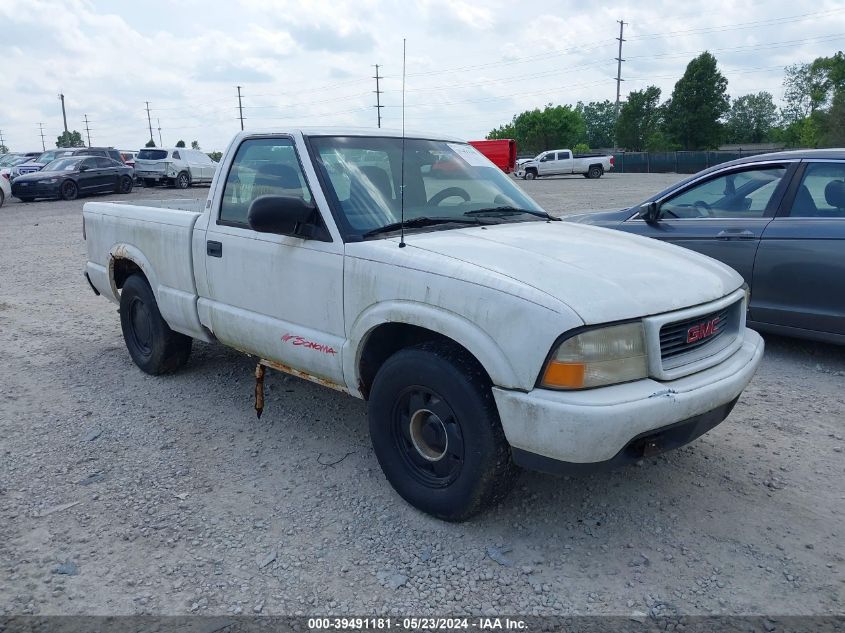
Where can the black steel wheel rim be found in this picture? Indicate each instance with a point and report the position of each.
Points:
(140, 328)
(427, 436)
(69, 189)
(125, 184)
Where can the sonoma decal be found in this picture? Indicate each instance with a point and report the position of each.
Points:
(298, 341)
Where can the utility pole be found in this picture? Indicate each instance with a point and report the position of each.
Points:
(40, 129)
(64, 115)
(378, 92)
(161, 143)
(88, 130)
(2, 142)
(619, 79)
(149, 121)
(240, 109)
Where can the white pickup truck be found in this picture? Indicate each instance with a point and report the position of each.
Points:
(490, 336)
(561, 162)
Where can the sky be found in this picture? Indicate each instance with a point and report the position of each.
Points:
(470, 65)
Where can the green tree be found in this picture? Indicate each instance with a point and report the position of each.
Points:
(599, 119)
(638, 119)
(751, 118)
(180, 143)
(581, 148)
(4, 149)
(70, 139)
(699, 101)
(150, 143)
(195, 145)
(537, 130)
(835, 132)
(215, 156)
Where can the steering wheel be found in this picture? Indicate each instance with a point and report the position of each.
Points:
(704, 209)
(449, 192)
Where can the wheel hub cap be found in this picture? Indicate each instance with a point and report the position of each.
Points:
(428, 435)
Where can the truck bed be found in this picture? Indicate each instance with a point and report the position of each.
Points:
(157, 237)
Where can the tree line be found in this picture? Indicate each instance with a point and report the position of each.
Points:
(699, 114)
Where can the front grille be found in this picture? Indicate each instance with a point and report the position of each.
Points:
(675, 337)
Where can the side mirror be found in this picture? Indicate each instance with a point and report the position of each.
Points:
(650, 212)
(283, 215)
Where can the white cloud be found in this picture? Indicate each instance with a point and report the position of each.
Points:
(471, 65)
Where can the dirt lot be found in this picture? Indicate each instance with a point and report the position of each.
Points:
(121, 493)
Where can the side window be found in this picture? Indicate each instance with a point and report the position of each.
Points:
(821, 193)
(90, 163)
(547, 157)
(267, 166)
(563, 156)
(103, 163)
(177, 156)
(745, 194)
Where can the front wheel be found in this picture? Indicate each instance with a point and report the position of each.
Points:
(183, 181)
(125, 185)
(154, 347)
(436, 432)
(530, 175)
(69, 190)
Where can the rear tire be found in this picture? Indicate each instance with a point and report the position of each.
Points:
(595, 171)
(183, 180)
(125, 184)
(153, 346)
(436, 432)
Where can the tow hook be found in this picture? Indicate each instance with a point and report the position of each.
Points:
(259, 389)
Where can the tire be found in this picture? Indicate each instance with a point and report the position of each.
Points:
(183, 180)
(436, 432)
(595, 171)
(530, 175)
(149, 182)
(153, 346)
(2, 197)
(125, 184)
(69, 190)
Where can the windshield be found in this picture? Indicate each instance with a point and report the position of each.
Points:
(64, 164)
(152, 154)
(442, 180)
(52, 155)
(15, 160)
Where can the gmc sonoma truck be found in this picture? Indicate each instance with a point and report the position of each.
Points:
(561, 162)
(484, 334)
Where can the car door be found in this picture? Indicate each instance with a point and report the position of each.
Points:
(563, 164)
(546, 164)
(108, 174)
(90, 176)
(722, 214)
(799, 275)
(275, 296)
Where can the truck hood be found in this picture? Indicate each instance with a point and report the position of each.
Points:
(601, 274)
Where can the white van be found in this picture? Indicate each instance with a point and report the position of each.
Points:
(180, 167)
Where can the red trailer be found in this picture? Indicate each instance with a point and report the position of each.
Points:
(501, 152)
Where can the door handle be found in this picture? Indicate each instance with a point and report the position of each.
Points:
(735, 234)
(214, 249)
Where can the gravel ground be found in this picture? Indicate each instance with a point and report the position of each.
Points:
(121, 493)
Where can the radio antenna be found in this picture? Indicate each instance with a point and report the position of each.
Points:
(402, 176)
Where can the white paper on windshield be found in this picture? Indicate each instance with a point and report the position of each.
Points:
(469, 154)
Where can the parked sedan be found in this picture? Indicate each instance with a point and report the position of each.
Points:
(778, 219)
(71, 177)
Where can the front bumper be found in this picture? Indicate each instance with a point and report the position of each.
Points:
(35, 190)
(596, 425)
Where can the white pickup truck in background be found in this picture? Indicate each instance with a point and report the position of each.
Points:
(561, 162)
(491, 336)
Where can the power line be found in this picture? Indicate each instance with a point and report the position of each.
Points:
(378, 92)
(41, 130)
(149, 122)
(87, 130)
(240, 109)
(619, 61)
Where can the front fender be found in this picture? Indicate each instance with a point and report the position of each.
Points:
(463, 331)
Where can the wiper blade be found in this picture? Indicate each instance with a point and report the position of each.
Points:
(420, 221)
(511, 211)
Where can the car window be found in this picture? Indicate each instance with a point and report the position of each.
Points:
(103, 163)
(261, 167)
(821, 193)
(745, 194)
(177, 156)
(90, 163)
(563, 155)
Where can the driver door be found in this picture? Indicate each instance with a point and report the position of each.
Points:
(546, 164)
(723, 216)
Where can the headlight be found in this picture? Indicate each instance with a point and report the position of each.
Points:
(597, 357)
(49, 181)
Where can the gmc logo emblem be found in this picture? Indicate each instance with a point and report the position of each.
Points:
(701, 331)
